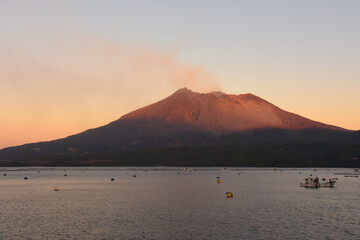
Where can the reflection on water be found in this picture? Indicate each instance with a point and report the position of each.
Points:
(176, 204)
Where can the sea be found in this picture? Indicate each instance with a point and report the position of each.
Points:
(176, 203)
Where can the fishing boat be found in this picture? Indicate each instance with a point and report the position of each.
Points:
(315, 182)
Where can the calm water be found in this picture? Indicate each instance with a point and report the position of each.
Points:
(167, 205)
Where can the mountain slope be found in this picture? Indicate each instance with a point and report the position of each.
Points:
(221, 113)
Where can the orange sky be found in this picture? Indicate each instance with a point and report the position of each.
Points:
(85, 84)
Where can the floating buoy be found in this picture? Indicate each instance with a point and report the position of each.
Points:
(25, 178)
(5, 174)
(56, 189)
(218, 181)
(324, 179)
(65, 175)
(229, 195)
(113, 179)
(310, 175)
(134, 175)
(299, 172)
(217, 177)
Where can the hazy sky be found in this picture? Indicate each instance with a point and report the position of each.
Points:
(66, 66)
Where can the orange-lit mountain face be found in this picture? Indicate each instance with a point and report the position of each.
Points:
(220, 113)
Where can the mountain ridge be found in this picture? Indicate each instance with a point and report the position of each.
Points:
(223, 113)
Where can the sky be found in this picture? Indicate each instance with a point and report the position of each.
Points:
(67, 66)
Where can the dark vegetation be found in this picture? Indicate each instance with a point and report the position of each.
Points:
(261, 148)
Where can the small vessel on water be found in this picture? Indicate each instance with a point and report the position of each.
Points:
(229, 195)
(315, 182)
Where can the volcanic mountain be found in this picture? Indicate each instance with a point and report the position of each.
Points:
(219, 113)
(185, 118)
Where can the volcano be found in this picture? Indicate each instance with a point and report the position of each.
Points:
(186, 119)
(219, 113)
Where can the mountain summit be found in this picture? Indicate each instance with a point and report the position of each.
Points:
(220, 113)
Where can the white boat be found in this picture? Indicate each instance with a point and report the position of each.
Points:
(315, 182)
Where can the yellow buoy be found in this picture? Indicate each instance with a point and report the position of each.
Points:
(56, 189)
(229, 195)
(218, 181)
